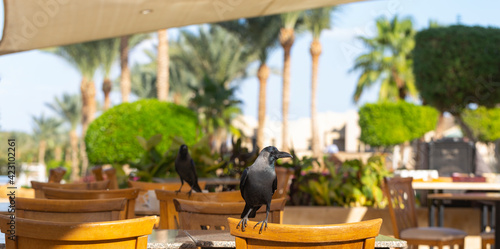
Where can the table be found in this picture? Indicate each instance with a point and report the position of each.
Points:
(439, 186)
(494, 197)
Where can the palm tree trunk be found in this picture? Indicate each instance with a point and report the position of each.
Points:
(287, 38)
(315, 53)
(106, 89)
(42, 145)
(58, 153)
(89, 107)
(440, 126)
(73, 141)
(177, 98)
(262, 74)
(125, 84)
(400, 84)
(162, 70)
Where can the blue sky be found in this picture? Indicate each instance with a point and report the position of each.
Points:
(30, 79)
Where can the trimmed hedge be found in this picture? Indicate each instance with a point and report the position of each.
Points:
(457, 65)
(112, 137)
(385, 124)
(484, 123)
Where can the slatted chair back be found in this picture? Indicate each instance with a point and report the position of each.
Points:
(168, 214)
(200, 215)
(129, 193)
(38, 186)
(123, 234)
(71, 210)
(359, 235)
(401, 198)
(283, 175)
(56, 174)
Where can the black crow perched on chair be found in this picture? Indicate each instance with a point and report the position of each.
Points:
(184, 165)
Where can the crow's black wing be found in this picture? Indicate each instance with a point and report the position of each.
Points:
(275, 184)
(243, 181)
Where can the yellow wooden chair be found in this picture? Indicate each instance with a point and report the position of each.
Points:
(168, 214)
(71, 210)
(38, 186)
(201, 215)
(129, 193)
(122, 234)
(359, 235)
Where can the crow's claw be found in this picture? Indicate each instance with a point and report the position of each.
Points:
(243, 223)
(264, 222)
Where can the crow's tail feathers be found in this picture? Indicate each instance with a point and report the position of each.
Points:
(254, 212)
(196, 187)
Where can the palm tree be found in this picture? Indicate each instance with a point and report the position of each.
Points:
(388, 60)
(69, 109)
(44, 129)
(211, 52)
(286, 38)
(261, 35)
(217, 107)
(163, 60)
(127, 43)
(316, 21)
(85, 58)
(108, 50)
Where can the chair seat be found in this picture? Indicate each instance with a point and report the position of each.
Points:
(432, 233)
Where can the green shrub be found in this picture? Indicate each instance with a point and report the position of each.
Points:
(112, 137)
(484, 123)
(457, 65)
(385, 124)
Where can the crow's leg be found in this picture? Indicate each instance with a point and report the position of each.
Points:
(264, 222)
(189, 193)
(182, 183)
(243, 221)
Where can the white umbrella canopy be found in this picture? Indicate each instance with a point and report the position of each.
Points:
(33, 24)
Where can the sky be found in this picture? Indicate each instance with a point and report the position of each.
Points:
(29, 80)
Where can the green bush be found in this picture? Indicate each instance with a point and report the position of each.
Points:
(484, 123)
(385, 124)
(112, 137)
(457, 65)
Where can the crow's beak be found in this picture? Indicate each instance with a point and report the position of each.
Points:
(282, 154)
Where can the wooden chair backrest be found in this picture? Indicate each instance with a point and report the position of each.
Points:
(342, 236)
(111, 175)
(38, 186)
(201, 215)
(168, 214)
(401, 201)
(283, 174)
(56, 174)
(71, 210)
(132, 233)
(129, 193)
(97, 172)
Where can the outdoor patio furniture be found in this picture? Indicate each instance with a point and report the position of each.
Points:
(347, 235)
(129, 193)
(283, 174)
(168, 214)
(56, 174)
(71, 210)
(487, 238)
(38, 186)
(131, 233)
(401, 197)
(201, 215)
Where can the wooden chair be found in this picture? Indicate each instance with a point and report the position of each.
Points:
(38, 186)
(71, 210)
(97, 172)
(56, 174)
(132, 233)
(129, 193)
(401, 197)
(342, 236)
(168, 214)
(201, 215)
(111, 176)
(283, 174)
